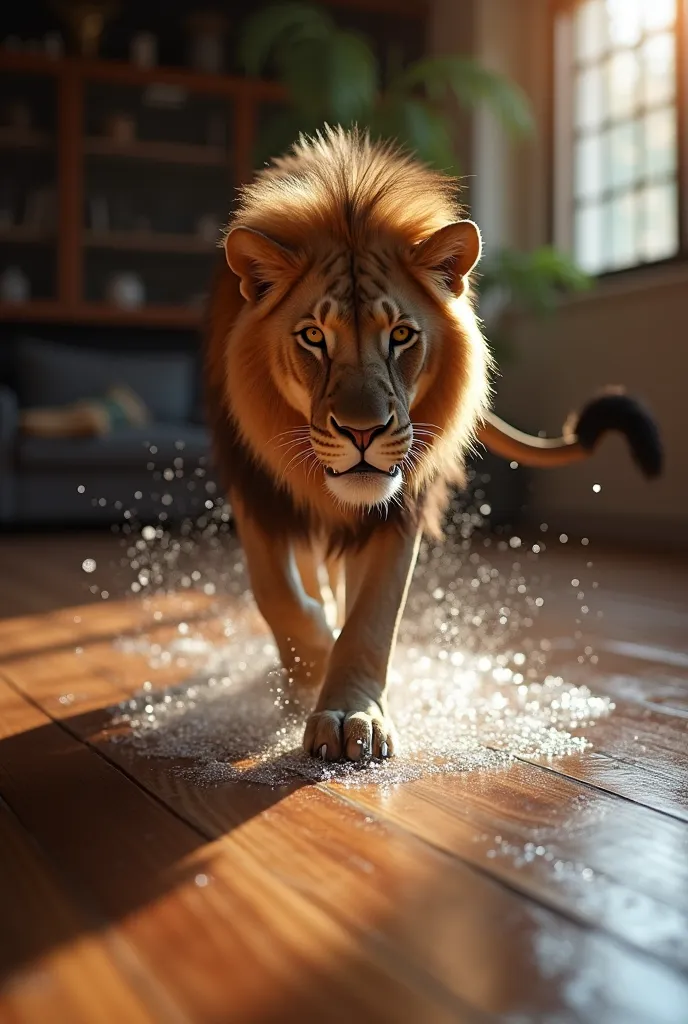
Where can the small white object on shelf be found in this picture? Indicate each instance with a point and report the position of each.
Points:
(207, 42)
(143, 50)
(14, 285)
(100, 213)
(126, 290)
(53, 44)
(208, 228)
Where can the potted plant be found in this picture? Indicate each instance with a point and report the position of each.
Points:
(332, 74)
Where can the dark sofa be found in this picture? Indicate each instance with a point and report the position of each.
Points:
(95, 479)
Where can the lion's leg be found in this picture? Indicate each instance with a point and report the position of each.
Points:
(323, 579)
(297, 620)
(351, 717)
(307, 565)
(334, 566)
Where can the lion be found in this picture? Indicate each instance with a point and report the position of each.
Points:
(347, 378)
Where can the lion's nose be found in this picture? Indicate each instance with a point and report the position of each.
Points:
(362, 437)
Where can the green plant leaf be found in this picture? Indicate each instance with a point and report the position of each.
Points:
(273, 30)
(352, 80)
(419, 127)
(280, 129)
(304, 70)
(471, 84)
(532, 281)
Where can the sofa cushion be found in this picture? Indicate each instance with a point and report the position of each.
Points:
(51, 374)
(128, 448)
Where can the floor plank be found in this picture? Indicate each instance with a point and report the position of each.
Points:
(549, 890)
(144, 867)
(47, 946)
(66, 628)
(635, 893)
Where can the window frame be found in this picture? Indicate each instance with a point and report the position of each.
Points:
(560, 143)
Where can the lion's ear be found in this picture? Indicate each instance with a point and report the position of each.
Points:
(262, 265)
(448, 256)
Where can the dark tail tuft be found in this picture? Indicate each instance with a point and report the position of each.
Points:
(615, 411)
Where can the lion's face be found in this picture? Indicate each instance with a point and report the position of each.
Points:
(354, 342)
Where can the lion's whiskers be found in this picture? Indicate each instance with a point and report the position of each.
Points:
(299, 431)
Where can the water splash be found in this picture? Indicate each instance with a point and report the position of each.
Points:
(470, 684)
(239, 717)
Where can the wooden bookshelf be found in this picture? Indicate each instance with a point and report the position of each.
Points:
(163, 152)
(76, 152)
(34, 311)
(148, 241)
(25, 234)
(24, 138)
(48, 311)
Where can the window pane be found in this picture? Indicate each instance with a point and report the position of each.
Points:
(591, 24)
(623, 155)
(588, 167)
(660, 14)
(659, 144)
(625, 134)
(660, 222)
(625, 21)
(588, 238)
(623, 226)
(589, 112)
(622, 84)
(659, 72)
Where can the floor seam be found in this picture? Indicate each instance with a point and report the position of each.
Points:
(504, 882)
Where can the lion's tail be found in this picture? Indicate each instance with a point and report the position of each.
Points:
(612, 410)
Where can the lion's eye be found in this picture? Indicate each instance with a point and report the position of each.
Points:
(312, 336)
(401, 334)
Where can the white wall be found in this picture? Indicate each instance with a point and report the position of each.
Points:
(631, 330)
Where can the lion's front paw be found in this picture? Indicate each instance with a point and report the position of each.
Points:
(354, 735)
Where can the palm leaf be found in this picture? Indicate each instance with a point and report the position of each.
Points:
(471, 84)
(304, 70)
(352, 78)
(419, 127)
(272, 31)
(532, 281)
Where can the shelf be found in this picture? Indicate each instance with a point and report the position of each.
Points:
(33, 310)
(17, 138)
(25, 234)
(186, 317)
(120, 71)
(153, 316)
(148, 241)
(165, 152)
(70, 79)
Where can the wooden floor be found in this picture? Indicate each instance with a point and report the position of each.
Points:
(545, 890)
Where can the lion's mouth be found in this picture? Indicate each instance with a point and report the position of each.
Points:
(365, 468)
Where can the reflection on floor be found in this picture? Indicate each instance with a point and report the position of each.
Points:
(166, 854)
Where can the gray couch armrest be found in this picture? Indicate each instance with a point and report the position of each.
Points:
(9, 425)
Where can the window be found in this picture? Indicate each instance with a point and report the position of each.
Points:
(618, 163)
